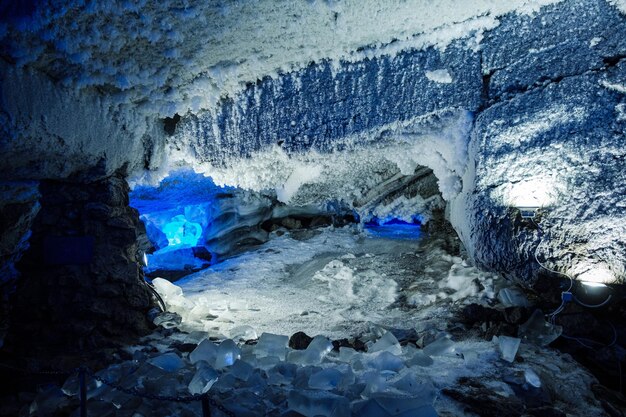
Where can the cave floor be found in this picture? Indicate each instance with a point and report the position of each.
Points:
(337, 282)
(355, 288)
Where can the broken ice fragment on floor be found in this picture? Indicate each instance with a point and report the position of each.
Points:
(538, 331)
(227, 354)
(318, 403)
(512, 297)
(173, 296)
(418, 358)
(326, 379)
(282, 373)
(346, 354)
(243, 333)
(241, 370)
(169, 362)
(314, 353)
(395, 404)
(387, 342)
(205, 351)
(203, 379)
(440, 347)
(532, 378)
(470, 357)
(386, 361)
(271, 345)
(508, 347)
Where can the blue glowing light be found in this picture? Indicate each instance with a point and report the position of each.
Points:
(394, 228)
(179, 231)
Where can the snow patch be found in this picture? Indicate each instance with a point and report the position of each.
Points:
(302, 174)
(441, 76)
(615, 87)
(620, 4)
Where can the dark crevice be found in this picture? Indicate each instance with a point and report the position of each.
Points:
(545, 81)
(169, 124)
(612, 61)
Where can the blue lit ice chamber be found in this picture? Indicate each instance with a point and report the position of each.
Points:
(190, 222)
(394, 228)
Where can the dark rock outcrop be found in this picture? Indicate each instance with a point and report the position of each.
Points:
(81, 284)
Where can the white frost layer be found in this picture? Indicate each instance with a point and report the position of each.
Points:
(351, 175)
(615, 87)
(60, 130)
(204, 50)
(620, 4)
(441, 76)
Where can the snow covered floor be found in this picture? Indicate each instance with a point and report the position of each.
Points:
(367, 287)
(387, 339)
(334, 282)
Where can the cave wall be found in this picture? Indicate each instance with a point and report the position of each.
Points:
(81, 284)
(536, 96)
(547, 95)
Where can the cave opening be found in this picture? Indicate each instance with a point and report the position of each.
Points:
(223, 258)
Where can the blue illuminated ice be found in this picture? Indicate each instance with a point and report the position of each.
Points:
(318, 403)
(205, 351)
(203, 379)
(326, 379)
(386, 361)
(179, 231)
(227, 354)
(440, 347)
(314, 353)
(271, 345)
(508, 347)
(169, 362)
(387, 342)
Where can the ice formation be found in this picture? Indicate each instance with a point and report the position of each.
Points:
(305, 167)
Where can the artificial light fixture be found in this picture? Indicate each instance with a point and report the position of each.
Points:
(528, 212)
(530, 195)
(595, 276)
(592, 284)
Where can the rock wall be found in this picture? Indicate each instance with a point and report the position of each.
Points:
(547, 95)
(547, 91)
(81, 283)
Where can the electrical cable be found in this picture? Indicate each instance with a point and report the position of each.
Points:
(605, 302)
(552, 316)
(571, 280)
(602, 345)
(154, 292)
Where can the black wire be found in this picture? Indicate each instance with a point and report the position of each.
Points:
(154, 292)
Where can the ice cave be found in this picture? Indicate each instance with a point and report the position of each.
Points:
(333, 208)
